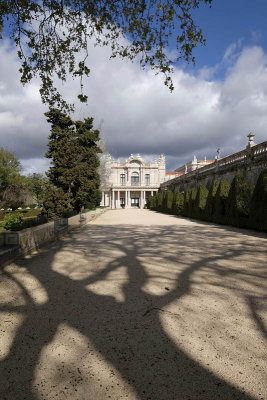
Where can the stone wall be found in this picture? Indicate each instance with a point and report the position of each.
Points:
(13, 244)
(249, 162)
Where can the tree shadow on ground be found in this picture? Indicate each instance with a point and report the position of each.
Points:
(129, 331)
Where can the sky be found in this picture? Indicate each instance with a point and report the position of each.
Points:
(216, 102)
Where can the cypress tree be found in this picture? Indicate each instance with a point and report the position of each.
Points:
(74, 153)
(258, 206)
(191, 203)
(210, 203)
(220, 202)
(200, 202)
(238, 203)
(168, 199)
(178, 203)
(187, 195)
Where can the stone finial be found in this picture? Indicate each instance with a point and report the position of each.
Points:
(251, 140)
(218, 154)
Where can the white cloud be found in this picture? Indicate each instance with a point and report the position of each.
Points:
(140, 114)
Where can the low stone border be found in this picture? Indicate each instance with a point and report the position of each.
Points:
(13, 244)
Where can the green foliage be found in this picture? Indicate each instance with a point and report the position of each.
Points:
(160, 197)
(178, 203)
(9, 168)
(36, 185)
(18, 221)
(57, 46)
(200, 202)
(13, 222)
(168, 200)
(239, 199)
(74, 153)
(187, 196)
(258, 207)
(210, 203)
(220, 202)
(56, 203)
(192, 202)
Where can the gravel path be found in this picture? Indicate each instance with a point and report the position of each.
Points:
(137, 305)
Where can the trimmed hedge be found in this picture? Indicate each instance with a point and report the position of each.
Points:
(191, 203)
(238, 204)
(200, 202)
(178, 203)
(168, 200)
(210, 203)
(220, 203)
(258, 206)
(187, 196)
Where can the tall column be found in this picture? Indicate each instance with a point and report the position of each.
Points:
(119, 201)
(141, 199)
(129, 198)
(114, 199)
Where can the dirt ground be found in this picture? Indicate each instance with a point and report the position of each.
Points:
(137, 305)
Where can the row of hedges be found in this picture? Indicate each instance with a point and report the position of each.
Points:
(238, 204)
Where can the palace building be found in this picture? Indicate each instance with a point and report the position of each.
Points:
(129, 184)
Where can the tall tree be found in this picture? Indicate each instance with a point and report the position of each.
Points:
(74, 152)
(52, 36)
(10, 167)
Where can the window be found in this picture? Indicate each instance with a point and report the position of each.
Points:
(135, 179)
(147, 179)
(122, 179)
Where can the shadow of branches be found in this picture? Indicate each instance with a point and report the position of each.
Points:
(138, 295)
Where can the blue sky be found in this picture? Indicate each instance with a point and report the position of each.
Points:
(228, 22)
(216, 103)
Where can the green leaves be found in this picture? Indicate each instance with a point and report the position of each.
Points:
(52, 37)
(73, 151)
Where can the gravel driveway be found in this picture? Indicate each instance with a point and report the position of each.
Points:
(137, 305)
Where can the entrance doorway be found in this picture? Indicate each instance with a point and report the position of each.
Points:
(122, 202)
(134, 201)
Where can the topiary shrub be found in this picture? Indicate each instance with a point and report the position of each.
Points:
(187, 195)
(220, 202)
(191, 203)
(168, 199)
(238, 203)
(210, 203)
(160, 198)
(13, 222)
(258, 205)
(200, 202)
(178, 203)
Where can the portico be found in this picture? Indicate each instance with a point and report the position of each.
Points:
(125, 198)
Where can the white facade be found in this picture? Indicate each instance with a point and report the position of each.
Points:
(129, 184)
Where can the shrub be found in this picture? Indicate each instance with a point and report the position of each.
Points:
(220, 202)
(200, 202)
(178, 203)
(191, 203)
(160, 196)
(238, 203)
(13, 222)
(186, 201)
(210, 203)
(258, 206)
(168, 199)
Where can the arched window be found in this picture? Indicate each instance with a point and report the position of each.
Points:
(135, 179)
